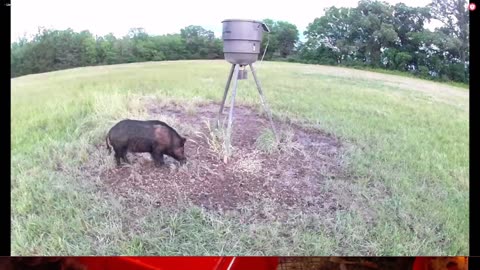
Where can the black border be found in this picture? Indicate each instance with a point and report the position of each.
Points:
(474, 263)
(474, 87)
(5, 239)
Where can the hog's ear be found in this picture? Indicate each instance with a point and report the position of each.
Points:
(183, 141)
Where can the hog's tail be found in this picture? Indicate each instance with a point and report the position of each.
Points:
(107, 141)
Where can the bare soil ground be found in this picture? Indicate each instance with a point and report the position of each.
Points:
(290, 179)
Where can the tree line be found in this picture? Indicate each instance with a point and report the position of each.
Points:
(374, 34)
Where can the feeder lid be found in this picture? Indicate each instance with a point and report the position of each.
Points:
(264, 26)
(242, 20)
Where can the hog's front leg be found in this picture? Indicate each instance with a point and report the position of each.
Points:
(158, 158)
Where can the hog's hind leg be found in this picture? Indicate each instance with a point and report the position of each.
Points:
(120, 153)
(126, 159)
(123, 154)
(117, 157)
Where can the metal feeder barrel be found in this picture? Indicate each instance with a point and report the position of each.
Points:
(242, 40)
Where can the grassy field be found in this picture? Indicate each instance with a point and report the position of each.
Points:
(408, 165)
(407, 74)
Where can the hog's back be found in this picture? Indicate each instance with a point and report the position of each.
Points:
(140, 136)
(126, 130)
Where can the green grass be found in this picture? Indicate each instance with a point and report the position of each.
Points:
(266, 141)
(409, 75)
(407, 181)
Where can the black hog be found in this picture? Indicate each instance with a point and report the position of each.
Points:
(151, 136)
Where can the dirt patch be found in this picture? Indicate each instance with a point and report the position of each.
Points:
(291, 179)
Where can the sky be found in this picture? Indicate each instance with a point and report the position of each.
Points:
(159, 17)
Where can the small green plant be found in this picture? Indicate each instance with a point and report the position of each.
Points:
(216, 138)
(266, 142)
(190, 110)
(288, 143)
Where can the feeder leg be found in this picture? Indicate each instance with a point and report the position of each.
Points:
(230, 115)
(225, 95)
(264, 101)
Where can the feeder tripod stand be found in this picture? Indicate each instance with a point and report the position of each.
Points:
(234, 73)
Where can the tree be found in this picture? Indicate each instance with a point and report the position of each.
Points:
(88, 49)
(454, 15)
(200, 43)
(281, 40)
(372, 34)
(171, 47)
(409, 20)
(377, 31)
(269, 40)
(336, 30)
(18, 54)
(105, 50)
(286, 35)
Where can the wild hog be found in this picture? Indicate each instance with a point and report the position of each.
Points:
(152, 136)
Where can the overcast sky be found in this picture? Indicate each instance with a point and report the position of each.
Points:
(162, 17)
